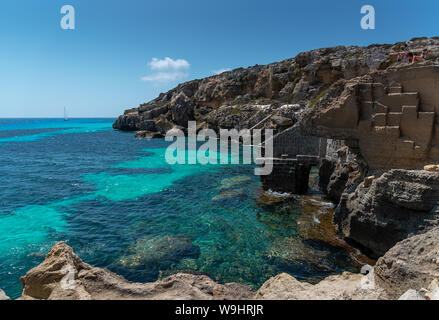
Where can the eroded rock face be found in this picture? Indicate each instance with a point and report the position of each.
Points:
(411, 264)
(347, 173)
(395, 205)
(45, 282)
(234, 98)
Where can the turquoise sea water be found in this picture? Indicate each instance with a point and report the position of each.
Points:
(117, 202)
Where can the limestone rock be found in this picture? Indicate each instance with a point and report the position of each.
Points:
(432, 168)
(149, 135)
(182, 109)
(411, 264)
(367, 182)
(3, 296)
(396, 205)
(433, 290)
(412, 295)
(347, 174)
(326, 169)
(389, 114)
(47, 281)
(299, 80)
(346, 286)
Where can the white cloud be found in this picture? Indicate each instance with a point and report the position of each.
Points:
(221, 70)
(168, 64)
(167, 70)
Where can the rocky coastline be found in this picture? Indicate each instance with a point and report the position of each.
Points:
(379, 121)
(410, 270)
(379, 117)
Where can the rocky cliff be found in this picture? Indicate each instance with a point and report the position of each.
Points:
(388, 120)
(243, 97)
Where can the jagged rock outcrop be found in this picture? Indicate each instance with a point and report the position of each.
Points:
(412, 264)
(343, 174)
(326, 169)
(63, 275)
(395, 205)
(241, 98)
(387, 119)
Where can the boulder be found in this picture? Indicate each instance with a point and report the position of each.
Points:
(411, 264)
(396, 205)
(347, 286)
(64, 276)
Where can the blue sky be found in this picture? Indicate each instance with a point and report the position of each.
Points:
(106, 64)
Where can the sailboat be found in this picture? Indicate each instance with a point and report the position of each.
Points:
(65, 115)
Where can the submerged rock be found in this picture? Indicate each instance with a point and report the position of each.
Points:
(293, 252)
(272, 198)
(231, 182)
(159, 251)
(229, 194)
(316, 223)
(48, 281)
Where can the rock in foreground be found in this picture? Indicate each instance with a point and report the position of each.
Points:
(411, 264)
(347, 286)
(50, 280)
(3, 296)
(404, 271)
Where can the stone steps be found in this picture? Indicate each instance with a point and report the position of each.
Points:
(395, 101)
(395, 89)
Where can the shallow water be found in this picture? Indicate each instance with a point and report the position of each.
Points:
(117, 202)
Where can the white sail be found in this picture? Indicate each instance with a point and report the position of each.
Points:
(65, 114)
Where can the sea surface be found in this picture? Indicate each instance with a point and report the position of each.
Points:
(117, 202)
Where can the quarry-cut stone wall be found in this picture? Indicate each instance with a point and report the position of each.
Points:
(391, 114)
